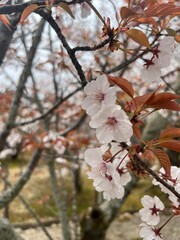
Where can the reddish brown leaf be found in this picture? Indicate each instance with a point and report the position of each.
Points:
(141, 101)
(177, 38)
(171, 144)
(5, 20)
(139, 37)
(123, 83)
(163, 159)
(159, 9)
(126, 12)
(163, 9)
(136, 131)
(164, 101)
(169, 133)
(171, 11)
(27, 11)
(149, 155)
(146, 20)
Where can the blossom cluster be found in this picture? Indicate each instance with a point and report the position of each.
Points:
(112, 126)
(150, 217)
(55, 141)
(153, 206)
(174, 181)
(12, 143)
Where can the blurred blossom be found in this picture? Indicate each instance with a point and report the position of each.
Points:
(14, 139)
(59, 145)
(7, 153)
(85, 10)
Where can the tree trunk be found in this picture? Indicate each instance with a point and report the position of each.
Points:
(7, 232)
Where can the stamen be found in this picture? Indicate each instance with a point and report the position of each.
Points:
(111, 121)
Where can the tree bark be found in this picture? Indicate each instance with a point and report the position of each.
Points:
(7, 232)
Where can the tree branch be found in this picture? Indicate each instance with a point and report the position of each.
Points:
(65, 44)
(9, 195)
(20, 87)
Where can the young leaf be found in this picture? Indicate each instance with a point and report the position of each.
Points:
(171, 32)
(164, 101)
(149, 155)
(163, 159)
(158, 10)
(27, 11)
(136, 131)
(177, 38)
(171, 144)
(67, 9)
(139, 37)
(147, 20)
(126, 12)
(169, 133)
(5, 20)
(123, 83)
(141, 101)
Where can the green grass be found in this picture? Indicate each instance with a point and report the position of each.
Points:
(41, 201)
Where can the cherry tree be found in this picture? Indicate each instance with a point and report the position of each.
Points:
(127, 65)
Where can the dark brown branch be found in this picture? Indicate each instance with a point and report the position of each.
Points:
(75, 125)
(94, 48)
(65, 44)
(18, 8)
(50, 111)
(155, 176)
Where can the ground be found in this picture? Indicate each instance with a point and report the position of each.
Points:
(124, 227)
(37, 194)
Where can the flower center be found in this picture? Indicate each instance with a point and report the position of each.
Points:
(102, 168)
(99, 96)
(154, 210)
(148, 63)
(111, 121)
(109, 177)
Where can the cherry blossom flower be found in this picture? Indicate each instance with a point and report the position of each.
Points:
(120, 160)
(98, 93)
(151, 208)
(149, 233)
(125, 176)
(111, 123)
(174, 181)
(161, 59)
(105, 176)
(151, 74)
(165, 51)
